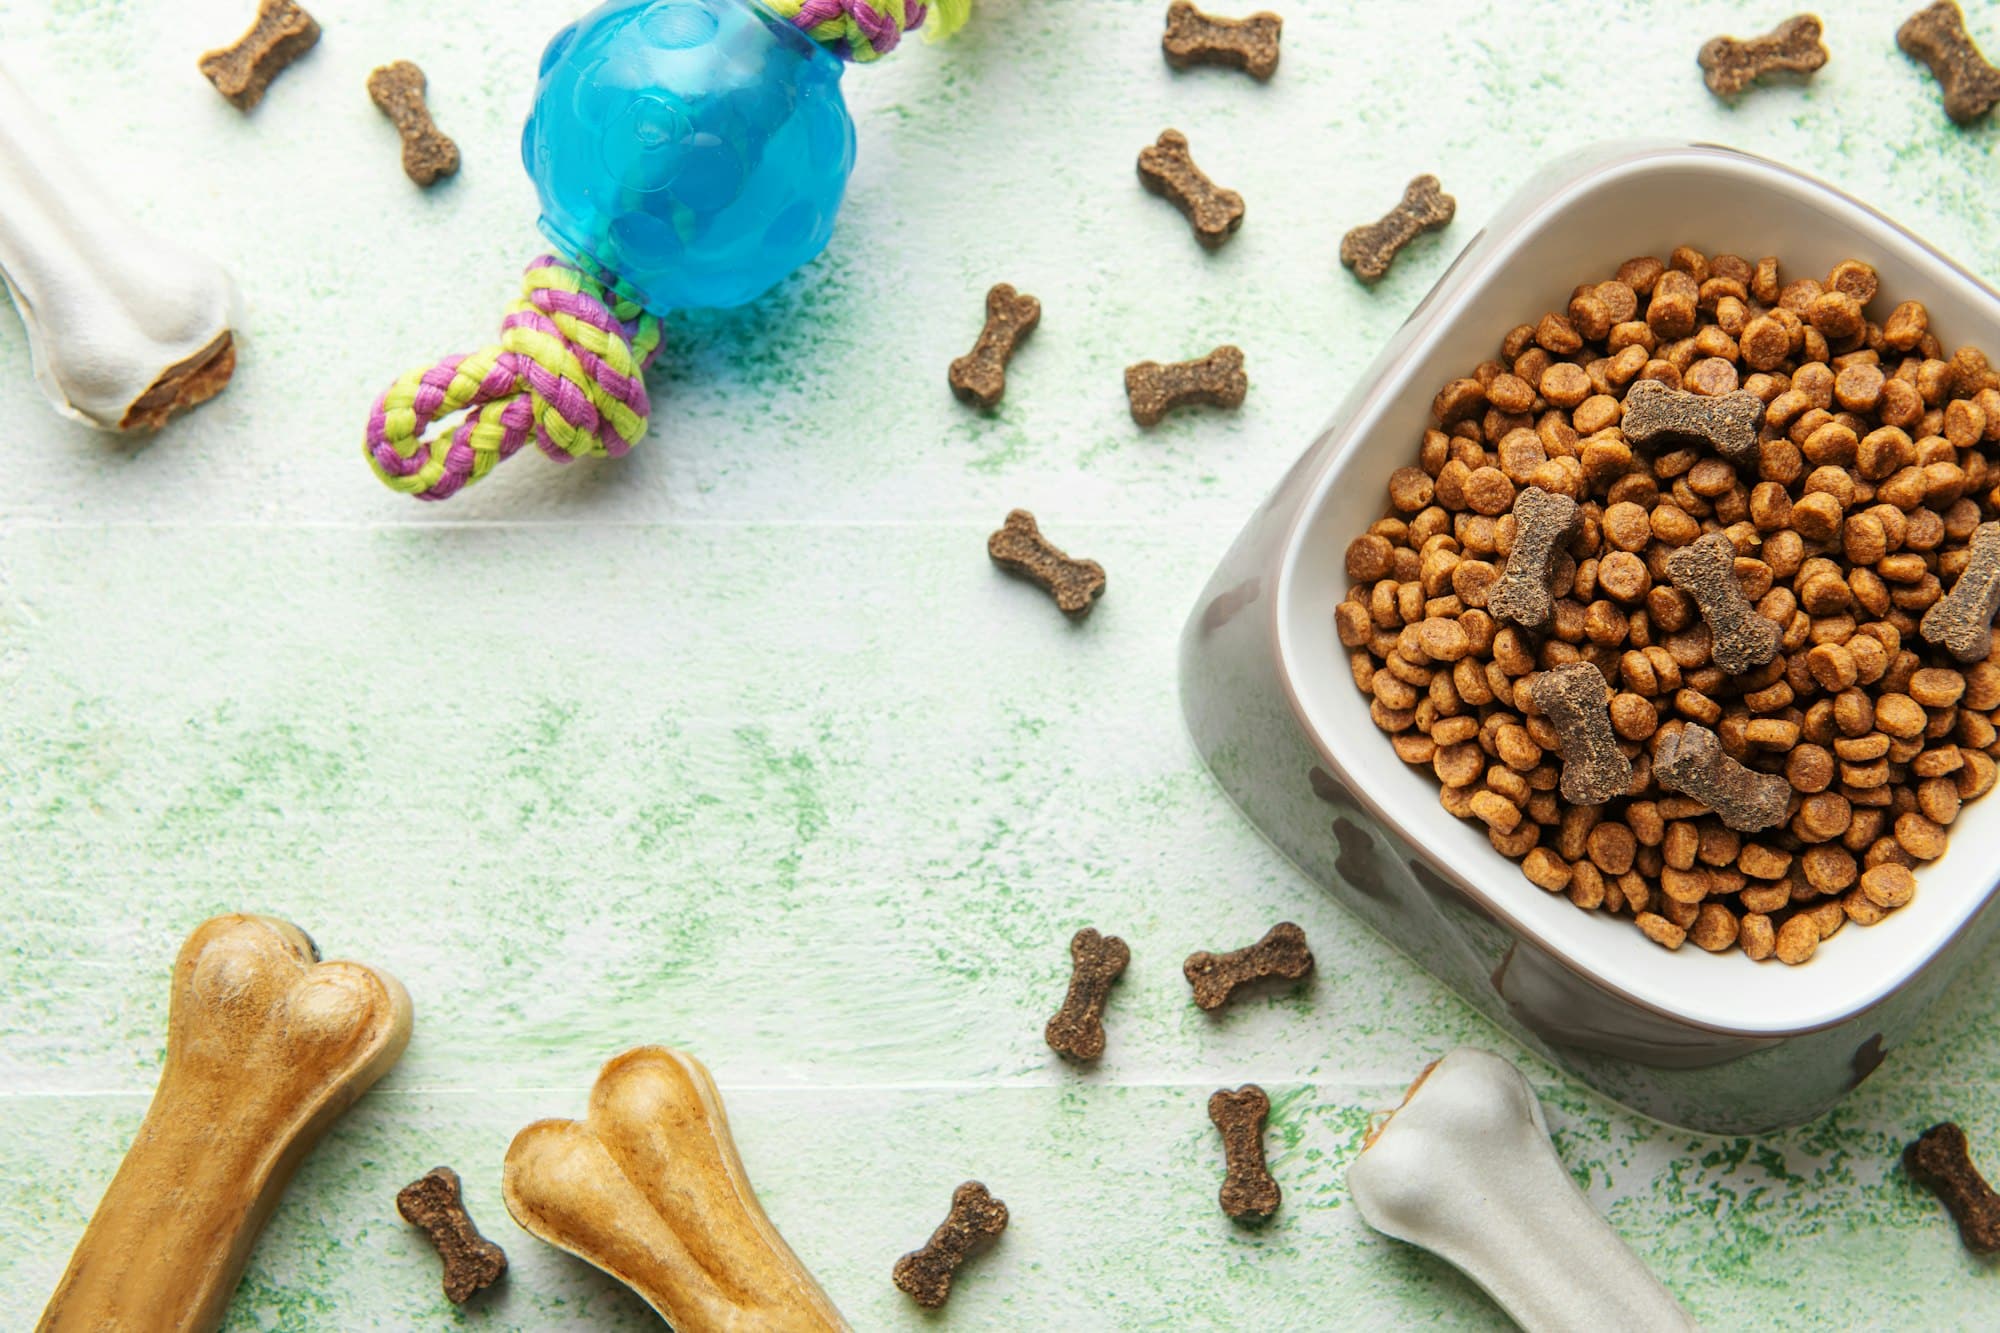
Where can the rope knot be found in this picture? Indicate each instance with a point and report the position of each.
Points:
(860, 30)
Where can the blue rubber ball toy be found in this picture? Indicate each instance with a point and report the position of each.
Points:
(694, 150)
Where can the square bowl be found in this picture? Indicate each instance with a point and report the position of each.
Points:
(1711, 1041)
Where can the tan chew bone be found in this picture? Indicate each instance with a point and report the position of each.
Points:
(1941, 1159)
(1217, 380)
(1249, 44)
(1167, 169)
(1248, 1190)
(428, 152)
(1962, 622)
(1543, 521)
(1281, 953)
(648, 1187)
(1371, 249)
(280, 34)
(435, 1203)
(1793, 47)
(980, 376)
(1577, 704)
(1937, 36)
(1739, 637)
(1691, 761)
(1077, 1030)
(1655, 413)
(975, 1222)
(266, 1046)
(1020, 548)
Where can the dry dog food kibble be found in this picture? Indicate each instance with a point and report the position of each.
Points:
(1249, 1192)
(1793, 47)
(280, 34)
(428, 152)
(975, 1222)
(434, 1203)
(1371, 249)
(1077, 1030)
(1937, 36)
(1167, 168)
(1249, 44)
(1216, 380)
(980, 376)
(1941, 1159)
(1687, 599)
(1281, 953)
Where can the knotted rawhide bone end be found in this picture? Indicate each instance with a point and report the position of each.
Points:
(1739, 637)
(1577, 703)
(428, 152)
(1962, 622)
(1543, 521)
(1077, 1030)
(1370, 250)
(975, 1222)
(648, 1187)
(1167, 169)
(1249, 44)
(1249, 1193)
(980, 376)
(1691, 761)
(1941, 1160)
(434, 1203)
(1282, 953)
(1217, 380)
(1793, 47)
(266, 1046)
(280, 34)
(1020, 548)
(1937, 36)
(1728, 424)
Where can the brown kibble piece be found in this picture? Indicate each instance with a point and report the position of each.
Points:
(471, 1262)
(1543, 521)
(1888, 885)
(1962, 621)
(1020, 548)
(975, 1222)
(1249, 1193)
(1794, 47)
(1655, 413)
(428, 152)
(1077, 1030)
(1691, 761)
(1798, 939)
(1281, 953)
(1739, 637)
(1249, 44)
(1941, 1160)
(1370, 250)
(1660, 930)
(1218, 380)
(980, 376)
(1167, 168)
(280, 34)
(1576, 702)
(1937, 37)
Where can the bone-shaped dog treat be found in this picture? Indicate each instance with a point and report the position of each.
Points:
(266, 1046)
(1248, 1189)
(649, 1188)
(1020, 548)
(1793, 47)
(1167, 169)
(428, 152)
(1370, 250)
(1691, 762)
(435, 1203)
(1281, 953)
(1937, 37)
(980, 376)
(1739, 638)
(280, 34)
(1962, 622)
(1077, 1030)
(1727, 424)
(1578, 705)
(1249, 44)
(1543, 521)
(1218, 380)
(1941, 1160)
(975, 1222)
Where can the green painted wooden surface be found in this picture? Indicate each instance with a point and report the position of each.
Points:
(741, 744)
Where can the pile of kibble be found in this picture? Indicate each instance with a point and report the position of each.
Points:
(1868, 482)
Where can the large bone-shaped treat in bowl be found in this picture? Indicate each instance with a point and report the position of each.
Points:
(266, 1046)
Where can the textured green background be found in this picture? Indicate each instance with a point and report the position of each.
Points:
(741, 743)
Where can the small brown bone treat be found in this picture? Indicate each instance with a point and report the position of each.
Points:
(1543, 521)
(1020, 548)
(1167, 169)
(1691, 761)
(1575, 701)
(434, 1202)
(1281, 953)
(1937, 37)
(1077, 1030)
(1249, 44)
(975, 1222)
(1941, 1160)
(1962, 622)
(428, 152)
(1793, 47)
(1218, 380)
(281, 34)
(1739, 637)
(980, 376)
(1728, 424)
(1248, 1191)
(1370, 250)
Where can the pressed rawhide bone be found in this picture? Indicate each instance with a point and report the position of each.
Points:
(975, 1222)
(1370, 250)
(648, 1187)
(1249, 44)
(1578, 705)
(1937, 36)
(1793, 47)
(1691, 761)
(980, 376)
(1167, 169)
(280, 34)
(435, 1203)
(125, 328)
(1739, 637)
(1020, 548)
(1941, 1160)
(266, 1046)
(1727, 424)
(428, 152)
(1543, 521)
(1248, 1189)
(1217, 380)
(1962, 621)
(1464, 1168)
(1077, 1030)
(1281, 953)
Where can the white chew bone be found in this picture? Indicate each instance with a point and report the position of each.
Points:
(1464, 1169)
(125, 327)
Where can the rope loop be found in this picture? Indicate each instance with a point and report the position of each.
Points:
(858, 30)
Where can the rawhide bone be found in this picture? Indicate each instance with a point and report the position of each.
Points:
(1728, 424)
(1937, 36)
(428, 152)
(1962, 621)
(975, 1222)
(1077, 1030)
(649, 1188)
(1281, 953)
(1167, 169)
(435, 1203)
(1739, 637)
(1793, 47)
(280, 34)
(1691, 761)
(1249, 44)
(1941, 1160)
(1371, 249)
(1217, 380)
(980, 376)
(1543, 521)
(1020, 548)
(1249, 1192)
(266, 1046)
(1577, 703)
